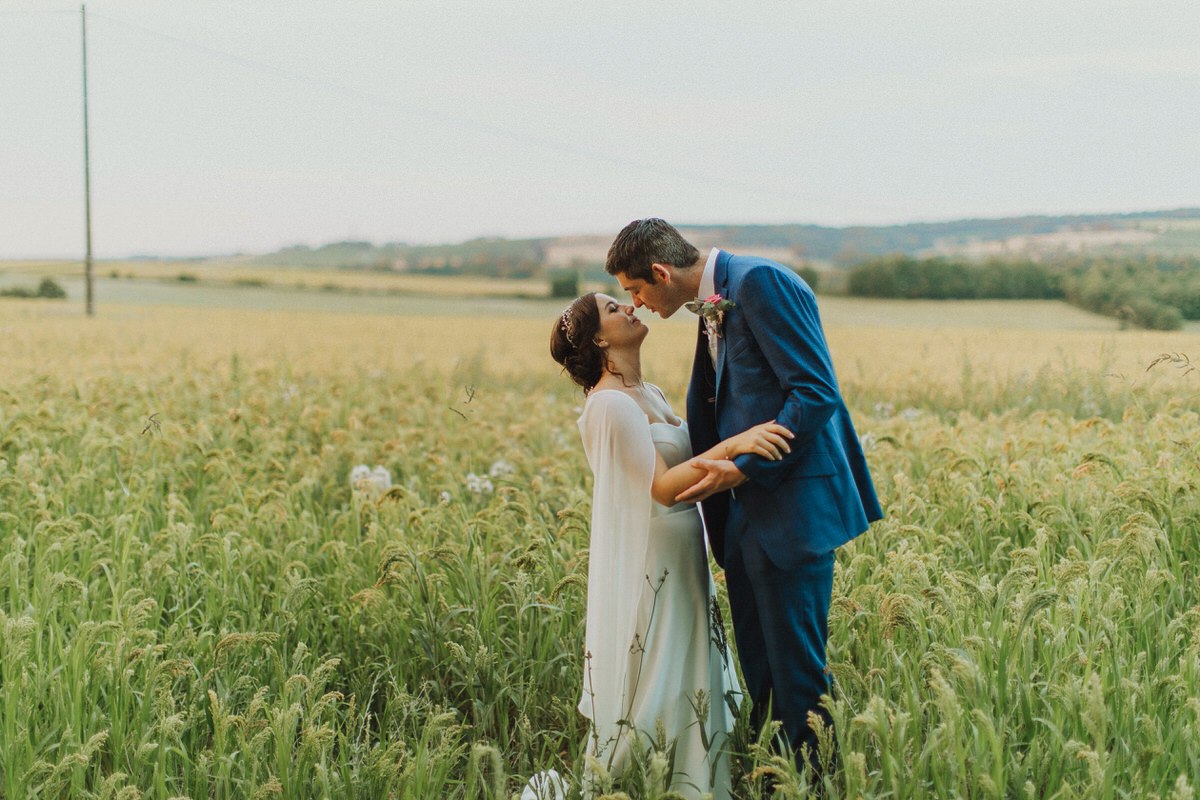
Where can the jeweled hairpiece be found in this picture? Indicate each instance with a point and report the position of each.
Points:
(568, 326)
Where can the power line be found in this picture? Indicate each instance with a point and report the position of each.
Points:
(449, 119)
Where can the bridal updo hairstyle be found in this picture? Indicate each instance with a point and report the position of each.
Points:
(573, 342)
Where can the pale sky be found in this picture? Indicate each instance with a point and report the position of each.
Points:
(220, 127)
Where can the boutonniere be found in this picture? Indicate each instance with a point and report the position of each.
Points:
(712, 310)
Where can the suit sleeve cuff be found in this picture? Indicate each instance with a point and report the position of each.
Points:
(753, 467)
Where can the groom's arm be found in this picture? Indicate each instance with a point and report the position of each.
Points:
(714, 470)
(782, 317)
(719, 475)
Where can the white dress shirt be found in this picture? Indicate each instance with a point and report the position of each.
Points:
(708, 287)
(708, 278)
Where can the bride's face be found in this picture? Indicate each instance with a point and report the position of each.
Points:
(619, 326)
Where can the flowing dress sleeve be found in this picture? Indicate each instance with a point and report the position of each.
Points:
(620, 451)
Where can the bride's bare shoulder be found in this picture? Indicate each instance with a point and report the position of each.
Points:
(609, 398)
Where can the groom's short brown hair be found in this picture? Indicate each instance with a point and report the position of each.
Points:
(644, 242)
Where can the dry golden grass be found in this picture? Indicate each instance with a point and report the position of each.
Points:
(939, 355)
(56, 340)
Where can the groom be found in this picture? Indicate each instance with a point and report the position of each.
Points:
(772, 525)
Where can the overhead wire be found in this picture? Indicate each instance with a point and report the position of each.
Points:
(463, 123)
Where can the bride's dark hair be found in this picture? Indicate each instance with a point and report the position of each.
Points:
(573, 342)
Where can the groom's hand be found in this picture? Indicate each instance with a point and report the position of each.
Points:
(719, 475)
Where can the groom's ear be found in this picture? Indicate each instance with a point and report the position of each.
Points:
(661, 273)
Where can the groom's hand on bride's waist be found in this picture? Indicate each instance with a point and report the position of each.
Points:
(719, 475)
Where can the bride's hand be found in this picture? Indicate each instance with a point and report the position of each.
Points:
(769, 440)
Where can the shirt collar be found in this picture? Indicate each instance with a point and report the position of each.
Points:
(708, 278)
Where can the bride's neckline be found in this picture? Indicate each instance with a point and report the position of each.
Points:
(678, 424)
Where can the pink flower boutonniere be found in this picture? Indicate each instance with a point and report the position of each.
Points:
(712, 309)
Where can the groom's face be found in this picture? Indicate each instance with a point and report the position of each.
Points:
(658, 295)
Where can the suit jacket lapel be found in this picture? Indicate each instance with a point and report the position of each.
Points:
(720, 284)
(701, 395)
(703, 364)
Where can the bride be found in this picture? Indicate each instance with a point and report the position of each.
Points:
(655, 649)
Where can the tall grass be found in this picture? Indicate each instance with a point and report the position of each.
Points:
(194, 602)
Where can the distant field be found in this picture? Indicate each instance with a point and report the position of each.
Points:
(226, 284)
(231, 272)
(398, 293)
(873, 341)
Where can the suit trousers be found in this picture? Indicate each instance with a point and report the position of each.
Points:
(781, 624)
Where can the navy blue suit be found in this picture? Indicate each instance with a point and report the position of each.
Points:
(776, 533)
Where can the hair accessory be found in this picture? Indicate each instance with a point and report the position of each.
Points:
(568, 325)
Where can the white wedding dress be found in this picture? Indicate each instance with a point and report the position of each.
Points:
(654, 640)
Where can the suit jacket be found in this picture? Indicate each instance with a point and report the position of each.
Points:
(773, 363)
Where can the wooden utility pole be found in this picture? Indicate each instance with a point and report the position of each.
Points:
(87, 180)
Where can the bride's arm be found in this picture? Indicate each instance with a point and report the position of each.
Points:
(769, 440)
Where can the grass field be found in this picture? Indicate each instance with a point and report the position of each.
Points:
(194, 602)
(236, 273)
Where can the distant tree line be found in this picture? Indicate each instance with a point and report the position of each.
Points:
(901, 276)
(48, 288)
(1148, 291)
(499, 258)
(1153, 292)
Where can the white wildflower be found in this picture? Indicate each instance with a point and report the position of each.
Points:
(444, 497)
(547, 785)
(867, 440)
(368, 481)
(381, 478)
(501, 469)
(479, 484)
(883, 410)
(910, 414)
